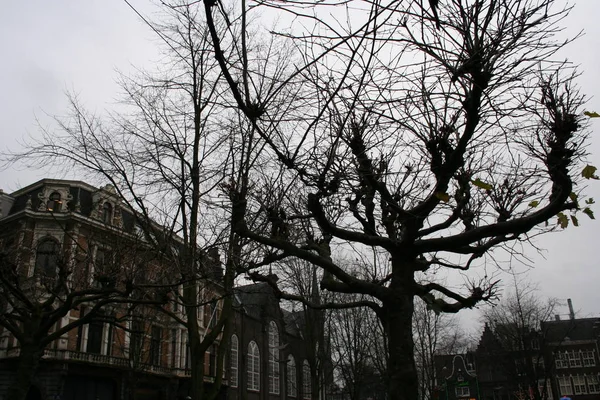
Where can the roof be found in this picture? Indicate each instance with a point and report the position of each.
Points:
(581, 329)
(80, 199)
(255, 298)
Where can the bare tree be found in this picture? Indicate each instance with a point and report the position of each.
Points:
(171, 154)
(434, 334)
(439, 146)
(40, 290)
(517, 322)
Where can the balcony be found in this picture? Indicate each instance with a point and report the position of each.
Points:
(103, 360)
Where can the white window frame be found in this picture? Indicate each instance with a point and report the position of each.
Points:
(233, 361)
(292, 378)
(462, 391)
(253, 367)
(589, 358)
(274, 381)
(541, 383)
(574, 359)
(561, 359)
(306, 381)
(593, 383)
(579, 386)
(564, 385)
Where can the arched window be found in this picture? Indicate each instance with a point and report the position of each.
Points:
(306, 386)
(54, 202)
(291, 376)
(107, 211)
(233, 362)
(253, 367)
(273, 358)
(46, 258)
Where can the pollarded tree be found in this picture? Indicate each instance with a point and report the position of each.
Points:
(436, 145)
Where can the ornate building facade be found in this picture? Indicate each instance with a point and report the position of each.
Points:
(56, 230)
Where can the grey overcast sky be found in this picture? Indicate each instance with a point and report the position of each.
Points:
(49, 47)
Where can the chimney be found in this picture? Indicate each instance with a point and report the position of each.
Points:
(557, 317)
(571, 312)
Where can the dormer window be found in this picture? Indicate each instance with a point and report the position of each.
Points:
(107, 213)
(54, 202)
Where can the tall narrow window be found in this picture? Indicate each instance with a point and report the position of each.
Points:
(174, 348)
(273, 358)
(233, 361)
(46, 258)
(212, 360)
(306, 381)
(291, 377)
(155, 342)
(136, 341)
(54, 202)
(94, 341)
(253, 367)
(107, 212)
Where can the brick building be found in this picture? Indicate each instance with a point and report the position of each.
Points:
(92, 233)
(560, 359)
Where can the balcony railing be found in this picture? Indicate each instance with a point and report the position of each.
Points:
(105, 360)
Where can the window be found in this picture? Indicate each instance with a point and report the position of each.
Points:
(212, 360)
(291, 377)
(155, 342)
(538, 363)
(46, 258)
(463, 391)
(233, 362)
(211, 314)
(579, 384)
(54, 202)
(574, 359)
(561, 360)
(535, 344)
(136, 341)
(107, 212)
(564, 385)
(94, 341)
(253, 367)
(593, 384)
(100, 260)
(174, 348)
(273, 358)
(306, 381)
(544, 389)
(589, 359)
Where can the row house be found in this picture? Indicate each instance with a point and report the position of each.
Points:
(573, 346)
(560, 359)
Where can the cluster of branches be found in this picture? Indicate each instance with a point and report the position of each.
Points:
(434, 138)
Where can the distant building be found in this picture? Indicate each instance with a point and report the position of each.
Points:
(456, 378)
(560, 359)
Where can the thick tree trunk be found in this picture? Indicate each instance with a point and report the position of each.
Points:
(196, 350)
(197, 378)
(28, 362)
(402, 373)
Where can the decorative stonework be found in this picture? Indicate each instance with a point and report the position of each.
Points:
(65, 197)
